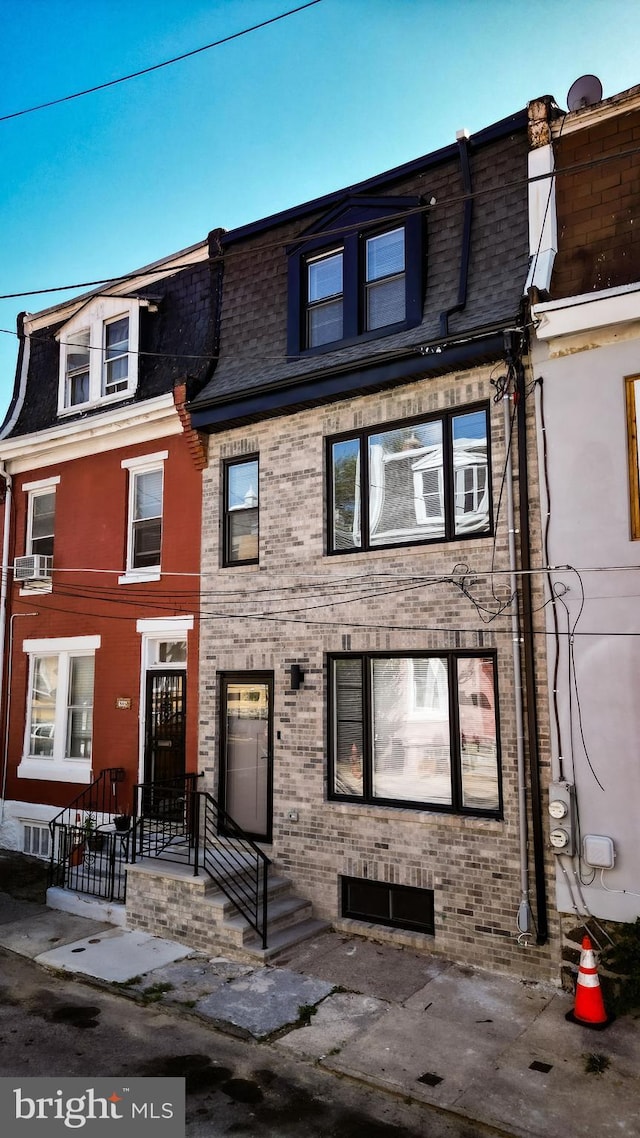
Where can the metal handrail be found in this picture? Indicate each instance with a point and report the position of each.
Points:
(245, 886)
(96, 799)
(174, 821)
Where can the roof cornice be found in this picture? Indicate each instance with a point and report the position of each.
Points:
(125, 426)
(621, 104)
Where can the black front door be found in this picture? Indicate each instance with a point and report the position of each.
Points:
(164, 756)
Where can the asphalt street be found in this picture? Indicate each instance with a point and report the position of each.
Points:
(50, 1025)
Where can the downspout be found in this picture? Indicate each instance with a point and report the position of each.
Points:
(4, 590)
(462, 138)
(513, 344)
(524, 908)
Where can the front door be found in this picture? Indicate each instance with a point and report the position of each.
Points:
(246, 750)
(164, 756)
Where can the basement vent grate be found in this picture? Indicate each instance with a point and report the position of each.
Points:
(538, 1066)
(429, 1079)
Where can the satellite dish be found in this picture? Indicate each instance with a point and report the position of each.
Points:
(586, 91)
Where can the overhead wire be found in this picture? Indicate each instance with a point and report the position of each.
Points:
(158, 66)
(257, 248)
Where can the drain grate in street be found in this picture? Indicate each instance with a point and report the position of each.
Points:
(538, 1066)
(429, 1079)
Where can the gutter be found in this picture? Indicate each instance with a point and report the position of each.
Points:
(5, 682)
(341, 383)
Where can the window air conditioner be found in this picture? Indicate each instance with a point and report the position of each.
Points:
(36, 567)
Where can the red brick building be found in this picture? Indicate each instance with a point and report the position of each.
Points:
(102, 478)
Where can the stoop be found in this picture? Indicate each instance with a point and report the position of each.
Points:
(167, 900)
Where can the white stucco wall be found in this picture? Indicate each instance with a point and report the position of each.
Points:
(586, 434)
(13, 819)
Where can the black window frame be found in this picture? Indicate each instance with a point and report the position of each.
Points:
(390, 891)
(367, 798)
(362, 436)
(228, 464)
(352, 226)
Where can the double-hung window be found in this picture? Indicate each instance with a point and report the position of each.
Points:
(41, 517)
(358, 275)
(59, 720)
(99, 351)
(422, 480)
(385, 279)
(415, 729)
(116, 356)
(241, 512)
(144, 526)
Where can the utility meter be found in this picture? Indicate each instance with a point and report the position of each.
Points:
(561, 806)
(560, 840)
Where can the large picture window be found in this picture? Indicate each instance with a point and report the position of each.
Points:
(415, 729)
(423, 480)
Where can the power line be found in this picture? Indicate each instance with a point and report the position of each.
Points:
(158, 66)
(254, 250)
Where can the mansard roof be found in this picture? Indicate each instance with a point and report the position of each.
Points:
(475, 255)
(178, 329)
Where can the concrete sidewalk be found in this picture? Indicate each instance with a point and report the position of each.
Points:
(492, 1049)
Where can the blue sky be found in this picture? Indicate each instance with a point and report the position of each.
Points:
(109, 182)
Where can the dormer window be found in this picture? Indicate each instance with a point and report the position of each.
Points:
(116, 355)
(324, 293)
(77, 369)
(385, 279)
(364, 279)
(99, 354)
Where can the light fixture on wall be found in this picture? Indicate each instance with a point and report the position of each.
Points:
(297, 677)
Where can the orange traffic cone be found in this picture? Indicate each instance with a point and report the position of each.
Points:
(589, 1007)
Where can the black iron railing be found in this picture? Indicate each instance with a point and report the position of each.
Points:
(171, 820)
(178, 823)
(237, 865)
(164, 821)
(88, 852)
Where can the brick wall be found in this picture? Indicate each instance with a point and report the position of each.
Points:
(598, 207)
(288, 609)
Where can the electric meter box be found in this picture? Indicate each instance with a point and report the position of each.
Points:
(562, 814)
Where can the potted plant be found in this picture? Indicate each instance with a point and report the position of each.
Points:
(92, 836)
(122, 823)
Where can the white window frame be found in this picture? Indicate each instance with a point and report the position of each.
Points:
(36, 490)
(57, 767)
(152, 631)
(29, 827)
(144, 464)
(94, 318)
